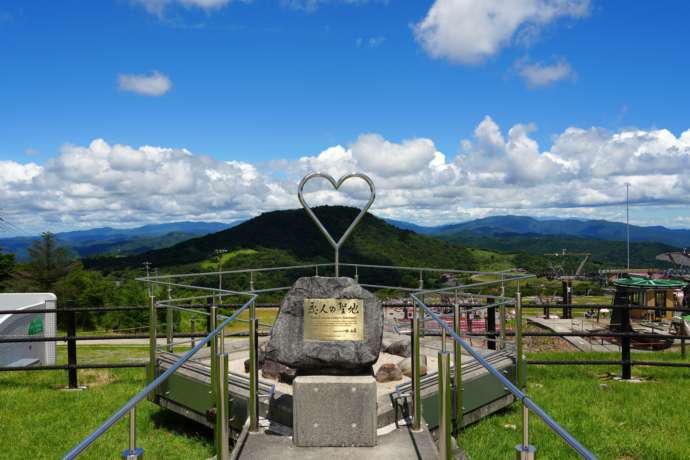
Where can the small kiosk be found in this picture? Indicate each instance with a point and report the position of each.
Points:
(640, 291)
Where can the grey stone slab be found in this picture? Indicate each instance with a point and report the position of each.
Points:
(287, 344)
(334, 411)
(399, 444)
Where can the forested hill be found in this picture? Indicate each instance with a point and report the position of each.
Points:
(374, 241)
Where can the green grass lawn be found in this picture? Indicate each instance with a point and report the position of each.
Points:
(38, 419)
(648, 420)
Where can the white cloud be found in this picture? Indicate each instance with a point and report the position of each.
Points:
(469, 31)
(496, 171)
(310, 6)
(158, 7)
(371, 42)
(538, 74)
(152, 84)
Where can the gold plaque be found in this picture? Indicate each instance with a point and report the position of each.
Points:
(328, 320)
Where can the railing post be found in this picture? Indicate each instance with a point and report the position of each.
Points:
(153, 320)
(169, 322)
(457, 364)
(444, 398)
(625, 344)
(525, 451)
(209, 304)
(133, 452)
(72, 346)
(221, 392)
(520, 359)
(416, 371)
(253, 369)
(502, 313)
(491, 325)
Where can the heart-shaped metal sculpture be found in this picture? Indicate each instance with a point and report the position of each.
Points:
(336, 185)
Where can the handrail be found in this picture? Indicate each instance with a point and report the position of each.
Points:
(105, 426)
(519, 394)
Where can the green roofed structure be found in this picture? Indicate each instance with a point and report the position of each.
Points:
(646, 292)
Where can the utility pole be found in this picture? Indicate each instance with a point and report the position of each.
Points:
(627, 220)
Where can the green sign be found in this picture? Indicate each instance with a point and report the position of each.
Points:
(36, 326)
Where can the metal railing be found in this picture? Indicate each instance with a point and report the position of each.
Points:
(524, 450)
(219, 381)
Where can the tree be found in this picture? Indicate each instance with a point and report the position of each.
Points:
(6, 266)
(48, 262)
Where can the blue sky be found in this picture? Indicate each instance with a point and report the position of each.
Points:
(263, 82)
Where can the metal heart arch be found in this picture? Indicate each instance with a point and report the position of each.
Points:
(336, 185)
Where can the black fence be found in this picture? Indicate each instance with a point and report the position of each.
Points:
(624, 338)
(69, 316)
(623, 335)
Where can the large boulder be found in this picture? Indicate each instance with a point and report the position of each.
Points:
(287, 344)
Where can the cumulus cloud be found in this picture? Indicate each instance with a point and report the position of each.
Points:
(538, 74)
(496, 171)
(152, 84)
(469, 31)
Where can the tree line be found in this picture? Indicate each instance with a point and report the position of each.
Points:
(52, 268)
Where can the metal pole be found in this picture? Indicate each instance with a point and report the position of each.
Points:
(444, 423)
(212, 320)
(337, 262)
(520, 359)
(221, 434)
(356, 273)
(133, 453)
(253, 370)
(169, 321)
(525, 451)
(627, 220)
(416, 371)
(502, 314)
(457, 356)
(72, 348)
(153, 319)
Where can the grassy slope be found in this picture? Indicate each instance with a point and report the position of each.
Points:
(39, 420)
(625, 421)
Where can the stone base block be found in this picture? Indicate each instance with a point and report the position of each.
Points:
(334, 411)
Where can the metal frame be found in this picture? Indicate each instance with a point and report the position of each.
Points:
(336, 185)
(524, 450)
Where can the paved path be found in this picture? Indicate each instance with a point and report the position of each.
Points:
(576, 325)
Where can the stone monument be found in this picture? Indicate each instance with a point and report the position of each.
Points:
(330, 329)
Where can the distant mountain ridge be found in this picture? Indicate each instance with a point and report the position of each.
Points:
(120, 240)
(292, 233)
(592, 229)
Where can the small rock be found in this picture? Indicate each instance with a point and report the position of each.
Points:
(603, 386)
(276, 371)
(388, 372)
(510, 426)
(400, 348)
(406, 366)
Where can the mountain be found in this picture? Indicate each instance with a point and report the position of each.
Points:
(412, 227)
(591, 229)
(119, 240)
(605, 254)
(292, 233)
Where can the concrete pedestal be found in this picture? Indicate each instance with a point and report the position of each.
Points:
(334, 411)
